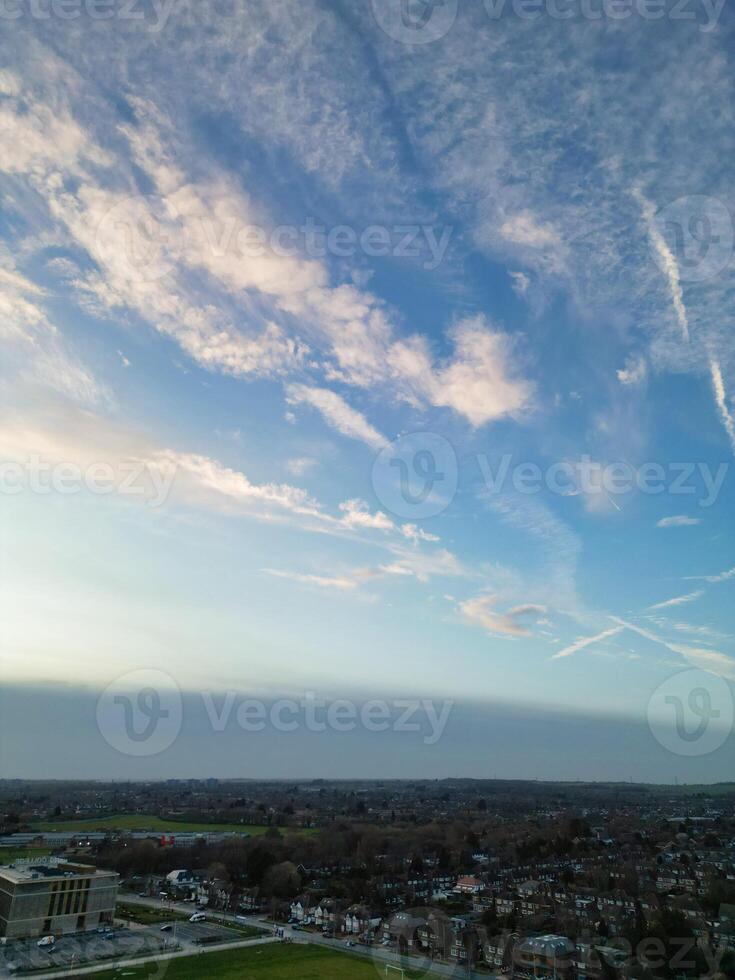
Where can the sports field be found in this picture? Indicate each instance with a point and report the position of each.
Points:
(9, 854)
(141, 821)
(276, 962)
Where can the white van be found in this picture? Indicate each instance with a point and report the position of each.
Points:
(197, 917)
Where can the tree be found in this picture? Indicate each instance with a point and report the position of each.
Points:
(260, 859)
(281, 880)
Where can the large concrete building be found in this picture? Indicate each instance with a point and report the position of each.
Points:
(54, 897)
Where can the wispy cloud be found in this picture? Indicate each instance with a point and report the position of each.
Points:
(585, 641)
(634, 372)
(713, 579)
(678, 520)
(337, 413)
(667, 260)
(718, 386)
(513, 622)
(34, 347)
(710, 660)
(677, 600)
(339, 583)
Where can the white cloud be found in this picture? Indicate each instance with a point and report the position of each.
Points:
(300, 465)
(162, 255)
(358, 514)
(478, 382)
(512, 622)
(521, 282)
(337, 413)
(585, 641)
(414, 533)
(634, 372)
(678, 520)
(526, 229)
(710, 660)
(413, 565)
(718, 386)
(667, 260)
(678, 600)
(713, 579)
(339, 583)
(64, 433)
(423, 565)
(34, 348)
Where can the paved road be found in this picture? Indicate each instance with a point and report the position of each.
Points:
(379, 954)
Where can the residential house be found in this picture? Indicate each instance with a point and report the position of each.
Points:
(468, 885)
(403, 928)
(327, 915)
(361, 921)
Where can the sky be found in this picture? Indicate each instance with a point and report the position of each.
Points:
(377, 349)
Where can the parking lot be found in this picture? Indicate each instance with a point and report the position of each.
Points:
(17, 957)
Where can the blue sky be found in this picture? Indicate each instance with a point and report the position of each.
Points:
(523, 256)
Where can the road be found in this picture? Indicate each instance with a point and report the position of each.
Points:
(379, 954)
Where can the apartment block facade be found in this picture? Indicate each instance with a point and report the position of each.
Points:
(55, 898)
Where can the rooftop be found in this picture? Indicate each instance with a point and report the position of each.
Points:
(23, 871)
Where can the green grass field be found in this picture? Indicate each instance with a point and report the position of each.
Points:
(140, 821)
(274, 962)
(10, 854)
